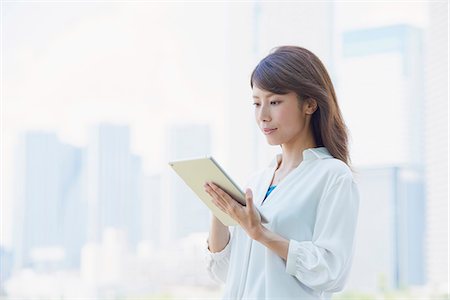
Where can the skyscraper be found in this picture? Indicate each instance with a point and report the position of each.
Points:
(134, 201)
(151, 210)
(112, 183)
(187, 213)
(390, 233)
(251, 35)
(381, 94)
(296, 31)
(49, 207)
(436, 145)
(5, 268)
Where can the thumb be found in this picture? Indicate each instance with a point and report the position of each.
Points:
(249, 198)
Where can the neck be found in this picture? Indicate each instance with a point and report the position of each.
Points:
(292, 153)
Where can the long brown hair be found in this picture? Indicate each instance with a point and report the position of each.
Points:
(295, 69)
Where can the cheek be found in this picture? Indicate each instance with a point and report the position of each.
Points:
(293, 120)
(256, 117)
(285, 115)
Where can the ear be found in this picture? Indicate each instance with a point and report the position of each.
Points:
(310, 106)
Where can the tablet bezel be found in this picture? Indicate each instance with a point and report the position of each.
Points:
(188, 171)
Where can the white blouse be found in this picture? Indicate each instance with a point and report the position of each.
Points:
(315, 207)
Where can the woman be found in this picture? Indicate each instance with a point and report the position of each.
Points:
(307, 193)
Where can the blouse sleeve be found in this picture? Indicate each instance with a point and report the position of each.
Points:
(217, 262)
(323, 264)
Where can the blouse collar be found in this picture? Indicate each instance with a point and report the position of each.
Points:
(316, 153)
(308, 154)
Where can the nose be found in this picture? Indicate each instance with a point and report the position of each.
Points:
(264, 114)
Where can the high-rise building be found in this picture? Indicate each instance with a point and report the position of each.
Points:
(6, 261)
(436, 147)
(381, 95)
(73, 208)
(49, 208)
(187, 213)
(134, 202)
(112, 183)
(251, 35)
(151, 210)
(390, 233)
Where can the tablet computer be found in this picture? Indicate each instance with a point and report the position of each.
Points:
(195, 172)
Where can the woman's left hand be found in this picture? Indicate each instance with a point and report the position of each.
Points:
(247, 216)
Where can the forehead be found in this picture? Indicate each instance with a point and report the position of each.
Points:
(260, 93)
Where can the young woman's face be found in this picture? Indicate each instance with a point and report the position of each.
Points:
(279, 116)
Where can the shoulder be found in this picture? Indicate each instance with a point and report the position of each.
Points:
(325, 165)
(334, 169)
(338, 181)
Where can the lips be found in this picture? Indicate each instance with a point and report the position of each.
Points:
(269, 130)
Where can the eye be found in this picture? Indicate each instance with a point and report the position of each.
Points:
(275, 102)
(256, 104)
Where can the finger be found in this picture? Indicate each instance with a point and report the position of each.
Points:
(217, 199)
(219, 205)
(210, 192)
(223, 195)
(249, 198)
(229, 205)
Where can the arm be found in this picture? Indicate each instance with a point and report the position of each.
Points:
(218, 251)
(322, 263)
(248, 218)
(273, 241)
(219, 235)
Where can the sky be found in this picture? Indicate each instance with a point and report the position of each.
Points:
(68, 66)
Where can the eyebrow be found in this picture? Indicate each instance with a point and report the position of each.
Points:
(268, 95)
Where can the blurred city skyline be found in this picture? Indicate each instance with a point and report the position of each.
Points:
(118, 41)
(154, 76)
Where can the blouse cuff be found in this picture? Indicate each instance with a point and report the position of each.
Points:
(291, 262)
(216, 256)
(297, 258)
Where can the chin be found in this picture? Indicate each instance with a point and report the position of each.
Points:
(273, 143)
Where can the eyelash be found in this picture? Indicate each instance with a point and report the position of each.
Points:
(271, 102)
